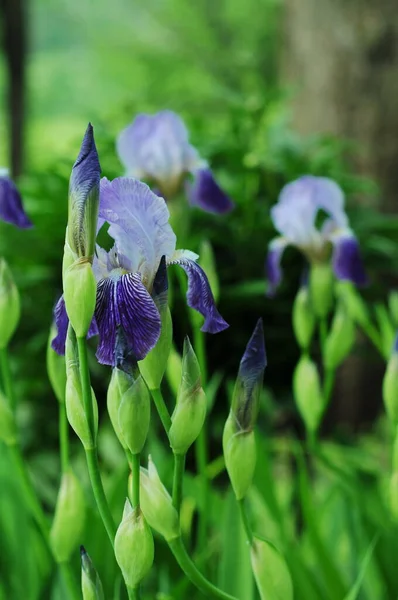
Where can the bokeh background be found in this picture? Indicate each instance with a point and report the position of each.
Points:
(270, 90)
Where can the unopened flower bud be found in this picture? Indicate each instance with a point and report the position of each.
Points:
(134, 415)
(321, 288)
(303, 318)
(9, 304)
(190, 411)
(56, 368)
(308, 393)
(8, 431)
(156, 504)
(153, 366)
(174, 370)
(80, 289)
(270, 571)
(134, 548)
(119, 383)
(240, 456)
(340, 339)
(91, 583)
(353, 302)
(68, 523)
(390, 387)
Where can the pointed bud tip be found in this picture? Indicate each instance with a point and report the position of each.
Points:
(82, 551)
(255, 356)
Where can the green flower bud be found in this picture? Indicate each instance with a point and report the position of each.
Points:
(308, 393)
(393, 492)
(156, 504)
(353, 302)
(153, 366)
(174, 370)
(8, 430)
(9, 304)
(240, 456)
(390, 388)
(134, 548)
(56, 369)
(134, 415)
(270, 572)
(393, 306)
(340, 339)
(321, 288)
(80, 289)
(91, 583)
(190, 411)
(303, 318)
(68, 523)
(119, 383)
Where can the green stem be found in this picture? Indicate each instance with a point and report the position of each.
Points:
(134, 593)
(6, 378)
(201, 444)
(245, 520)
(179, 467)
(63, 437)
(162, 409)
(211, 591)
(91, 453)
(135, 474)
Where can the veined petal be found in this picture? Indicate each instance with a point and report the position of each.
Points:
(11, 209)
(347, 261)
(126, 311)
(207, 194)
(273, 263)
(83, 198)
(200, 297)
(61, 321)
(139, 223)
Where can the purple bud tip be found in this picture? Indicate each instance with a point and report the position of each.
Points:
(82, 551)
(254, 359)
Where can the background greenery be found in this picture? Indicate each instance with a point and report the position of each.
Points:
(215, 63)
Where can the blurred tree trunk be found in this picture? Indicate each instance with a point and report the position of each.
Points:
(14, 43)
(342, 59)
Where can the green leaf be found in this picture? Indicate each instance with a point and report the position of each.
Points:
(353, 593)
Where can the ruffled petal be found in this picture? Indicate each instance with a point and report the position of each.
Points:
(11, 209)
(347, 260)
(200, 297)
(139, 223)
(273, 264)
(207, 194)
(61, 322)
(127, 319)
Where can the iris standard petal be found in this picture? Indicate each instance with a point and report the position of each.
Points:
(125, 308)
(273, 264)
(139, 223)
(347, 260)
(200, 297)
(61, 322)
(11, 209)
(207, 194)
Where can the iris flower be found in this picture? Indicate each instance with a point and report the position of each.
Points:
(156, 148)
(295, 215)
(11, 209)
(132, 275)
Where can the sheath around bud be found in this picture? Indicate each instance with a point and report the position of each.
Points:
(303, 318)
(134, 415)
(190, 411)
(240, 456)
(91, 583)
(156, 504)
(270, 571)
(308, 393)
(68, 523)
(134, 548)
(119, 383)
(56, 369)
(9, 305)
(390, 388)
(8, 431)
(80, 290)
(321, 288)
(340, 339)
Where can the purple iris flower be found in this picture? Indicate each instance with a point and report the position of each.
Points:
(294, 216)
(156, 148)
(11, 209)
(132, 275)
